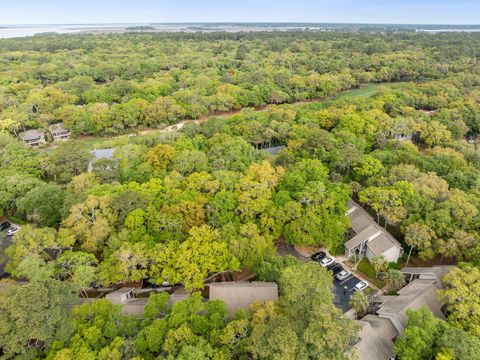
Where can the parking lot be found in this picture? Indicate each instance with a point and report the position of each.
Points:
(5, 241)
(342, 291)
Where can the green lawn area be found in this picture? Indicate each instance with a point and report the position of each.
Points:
(366, 90)
(366, 270)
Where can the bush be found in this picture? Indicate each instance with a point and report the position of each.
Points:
(394, 265)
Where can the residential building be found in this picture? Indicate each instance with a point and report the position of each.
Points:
(416, 294)
(369, 238)
(100, 154)
(33, 137)
(376, 338)
(59, 133)
(274, 150)
(426, 273)
(380, 330)
(238, 295)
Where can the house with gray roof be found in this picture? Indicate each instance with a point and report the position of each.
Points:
(413, 296)
(238, 295)
(33, 137)
(274, 150)
(369, 239)
(59, 133)
(376, 338)
(380, 330)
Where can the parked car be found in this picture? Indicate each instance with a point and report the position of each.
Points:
(327, 261)
(319, 256)
(360, 286)
(12, 231)
(342, 275)
(335, 269)
(5, 225)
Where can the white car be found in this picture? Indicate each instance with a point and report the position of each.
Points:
(342, 275)
(360, 286)
(327, 261)
(12, 231)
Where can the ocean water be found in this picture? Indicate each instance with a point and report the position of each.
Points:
(30, 30)
(13, 31)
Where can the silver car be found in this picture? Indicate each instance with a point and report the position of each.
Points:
(342, 275)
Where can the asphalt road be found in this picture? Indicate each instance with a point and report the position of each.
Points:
(4, 243)
(342, 291)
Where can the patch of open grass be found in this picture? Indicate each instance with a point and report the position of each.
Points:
(366, 270)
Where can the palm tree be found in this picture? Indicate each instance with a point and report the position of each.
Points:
(359, 302)
(394, 279)
(379, 264)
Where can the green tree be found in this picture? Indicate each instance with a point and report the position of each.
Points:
(69, 159)
(201, 255)
(33, 316)
(419, 236)
(101, 332)
(42, 205)
(379, 264)
(386, 202)
(359, 302)
(394, 279)
(417, 342)
(78, 268)
(460, 295)
(91, 222)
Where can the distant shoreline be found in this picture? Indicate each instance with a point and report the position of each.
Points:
(17, 31)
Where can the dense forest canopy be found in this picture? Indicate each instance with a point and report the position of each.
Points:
(112, 83)
(187, 205)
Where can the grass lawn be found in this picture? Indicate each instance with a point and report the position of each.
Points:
(366, 270)
(364, 91)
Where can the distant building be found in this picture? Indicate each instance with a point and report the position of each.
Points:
(100, 154)
(120, 296)
(370, 239)
(33, 137)
(274, 150)
(380, 330)
(238, 295)
(59, 133)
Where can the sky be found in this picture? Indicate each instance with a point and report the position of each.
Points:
(145, 11)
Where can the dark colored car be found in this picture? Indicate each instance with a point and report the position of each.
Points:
(336, 269)
(5, 225)
(318, 256)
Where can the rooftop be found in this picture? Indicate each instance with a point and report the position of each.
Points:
(33, 134)
(274, 150)
(374, 344)
(413, 296)
(366, 229)
(241, 294)
(57, 129)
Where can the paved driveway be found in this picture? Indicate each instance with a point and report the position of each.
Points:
(342, 291)
(5, 241)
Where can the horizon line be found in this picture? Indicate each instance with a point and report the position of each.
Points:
(237, 22)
